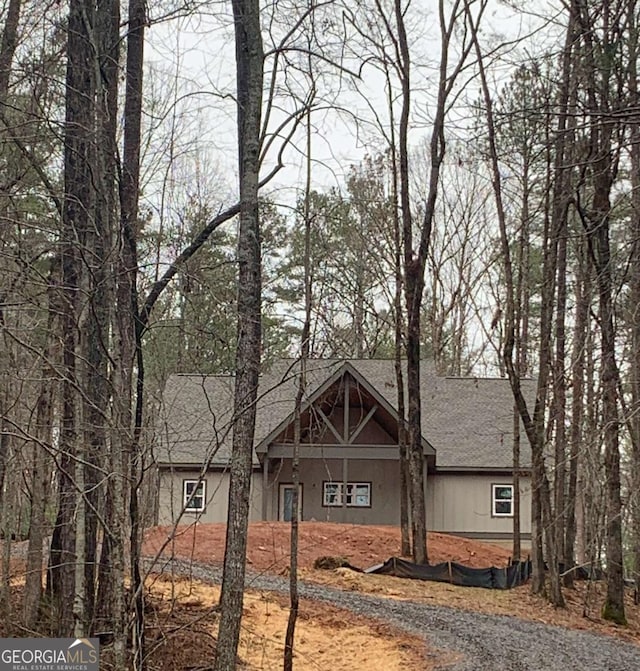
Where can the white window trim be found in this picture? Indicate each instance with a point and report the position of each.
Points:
(338, 491)
(351, 491)
(494, 500)
(188, 501)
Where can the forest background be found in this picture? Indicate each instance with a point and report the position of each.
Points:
(456, 182)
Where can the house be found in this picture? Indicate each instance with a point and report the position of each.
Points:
(349, 464)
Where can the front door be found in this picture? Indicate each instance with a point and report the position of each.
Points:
(285, 506)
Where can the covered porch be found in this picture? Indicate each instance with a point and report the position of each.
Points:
(349, 457)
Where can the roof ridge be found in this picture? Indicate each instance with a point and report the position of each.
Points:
(202, 375)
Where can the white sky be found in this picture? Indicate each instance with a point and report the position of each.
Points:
(192, 87)
(194, 81)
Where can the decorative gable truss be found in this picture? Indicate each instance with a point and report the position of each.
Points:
(348, 431)
(345, 418)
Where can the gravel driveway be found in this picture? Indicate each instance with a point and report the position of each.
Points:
(487, 642)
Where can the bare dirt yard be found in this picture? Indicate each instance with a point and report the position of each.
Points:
(363, 546)
(356, 621)
(182, 625)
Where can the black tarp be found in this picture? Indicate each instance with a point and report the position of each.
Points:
(457, 574)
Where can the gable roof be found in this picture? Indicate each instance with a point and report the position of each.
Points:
(468, 421)
(345, 367)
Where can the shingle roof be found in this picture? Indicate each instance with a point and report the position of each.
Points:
(469, 421)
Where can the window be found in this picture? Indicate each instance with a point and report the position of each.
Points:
(357, 494)
(193, 495)
(502, 501)
(332, 494)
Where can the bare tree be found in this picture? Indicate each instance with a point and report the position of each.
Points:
(66, 569)
(601, 170)
(42, 464)
(575, 510)
(249, 80)
(534, 424)
(128, 324)
(634, 296)
(415, 255)
(302, 383)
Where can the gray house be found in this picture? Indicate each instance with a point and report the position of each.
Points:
(349, 468)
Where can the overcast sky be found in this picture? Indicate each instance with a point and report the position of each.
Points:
(191, 84)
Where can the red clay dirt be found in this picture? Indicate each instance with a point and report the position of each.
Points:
(361, 546)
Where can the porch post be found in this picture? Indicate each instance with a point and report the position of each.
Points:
(426, 488)
(345, 479)
(265, 486)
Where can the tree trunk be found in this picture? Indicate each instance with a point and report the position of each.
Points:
(634, 303)
(249, 72)
(398, 342)
(414, 426)
(8, 46)
(578, 361)
(601, 168)
(542, 513)
(517, 550)
(40, 486)
(78, 207)
(129, 329)
(294, 599)
(592, 456)
(521, 334)
(614, 605)
(6, 515)
(302, 384)
(413, 285)
(559, 398)
(99, 241)
(415, 259)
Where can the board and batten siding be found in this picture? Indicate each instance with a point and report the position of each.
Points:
(462, 503)
(384, 477)
(170, 499)
(456, 503)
